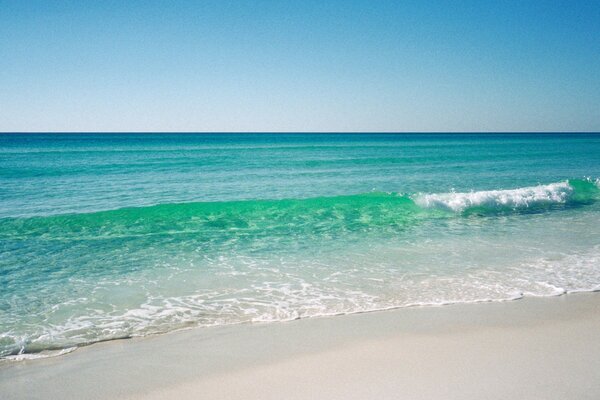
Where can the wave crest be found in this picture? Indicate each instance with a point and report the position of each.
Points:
(526, 197)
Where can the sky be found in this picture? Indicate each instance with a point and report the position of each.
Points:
(327, 66)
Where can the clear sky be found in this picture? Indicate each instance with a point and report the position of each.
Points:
(299, 65)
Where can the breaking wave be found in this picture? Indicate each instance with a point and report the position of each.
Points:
(572, 191)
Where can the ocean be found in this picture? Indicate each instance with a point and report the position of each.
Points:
(108, 236)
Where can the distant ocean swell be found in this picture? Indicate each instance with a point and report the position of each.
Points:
(76, 279)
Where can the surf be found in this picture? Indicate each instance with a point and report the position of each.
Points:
(348, 213)
(75, 279)
(570, 192)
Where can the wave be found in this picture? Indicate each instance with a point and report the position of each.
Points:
(253, 218)
(572, 191)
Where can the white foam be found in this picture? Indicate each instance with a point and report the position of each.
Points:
(513, 198)
(386, 276)
(41, 354)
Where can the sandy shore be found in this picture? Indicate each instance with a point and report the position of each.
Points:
(547, 348)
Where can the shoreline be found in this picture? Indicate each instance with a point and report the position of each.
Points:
(533, 348)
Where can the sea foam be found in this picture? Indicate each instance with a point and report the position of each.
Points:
(558, 193)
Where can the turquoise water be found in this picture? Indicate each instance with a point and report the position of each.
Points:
(120, 235)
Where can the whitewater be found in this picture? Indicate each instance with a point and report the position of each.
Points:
(113, 236)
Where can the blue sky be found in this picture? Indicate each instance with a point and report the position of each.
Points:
(299, 65)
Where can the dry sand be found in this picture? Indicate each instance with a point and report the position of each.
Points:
(545, 348)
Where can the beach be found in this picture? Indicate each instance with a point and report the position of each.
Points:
(339, 266)
(535, 348)
(299, 200)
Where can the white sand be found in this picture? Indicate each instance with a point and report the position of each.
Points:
(528, 349)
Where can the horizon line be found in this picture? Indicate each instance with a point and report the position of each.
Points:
(301, 132)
